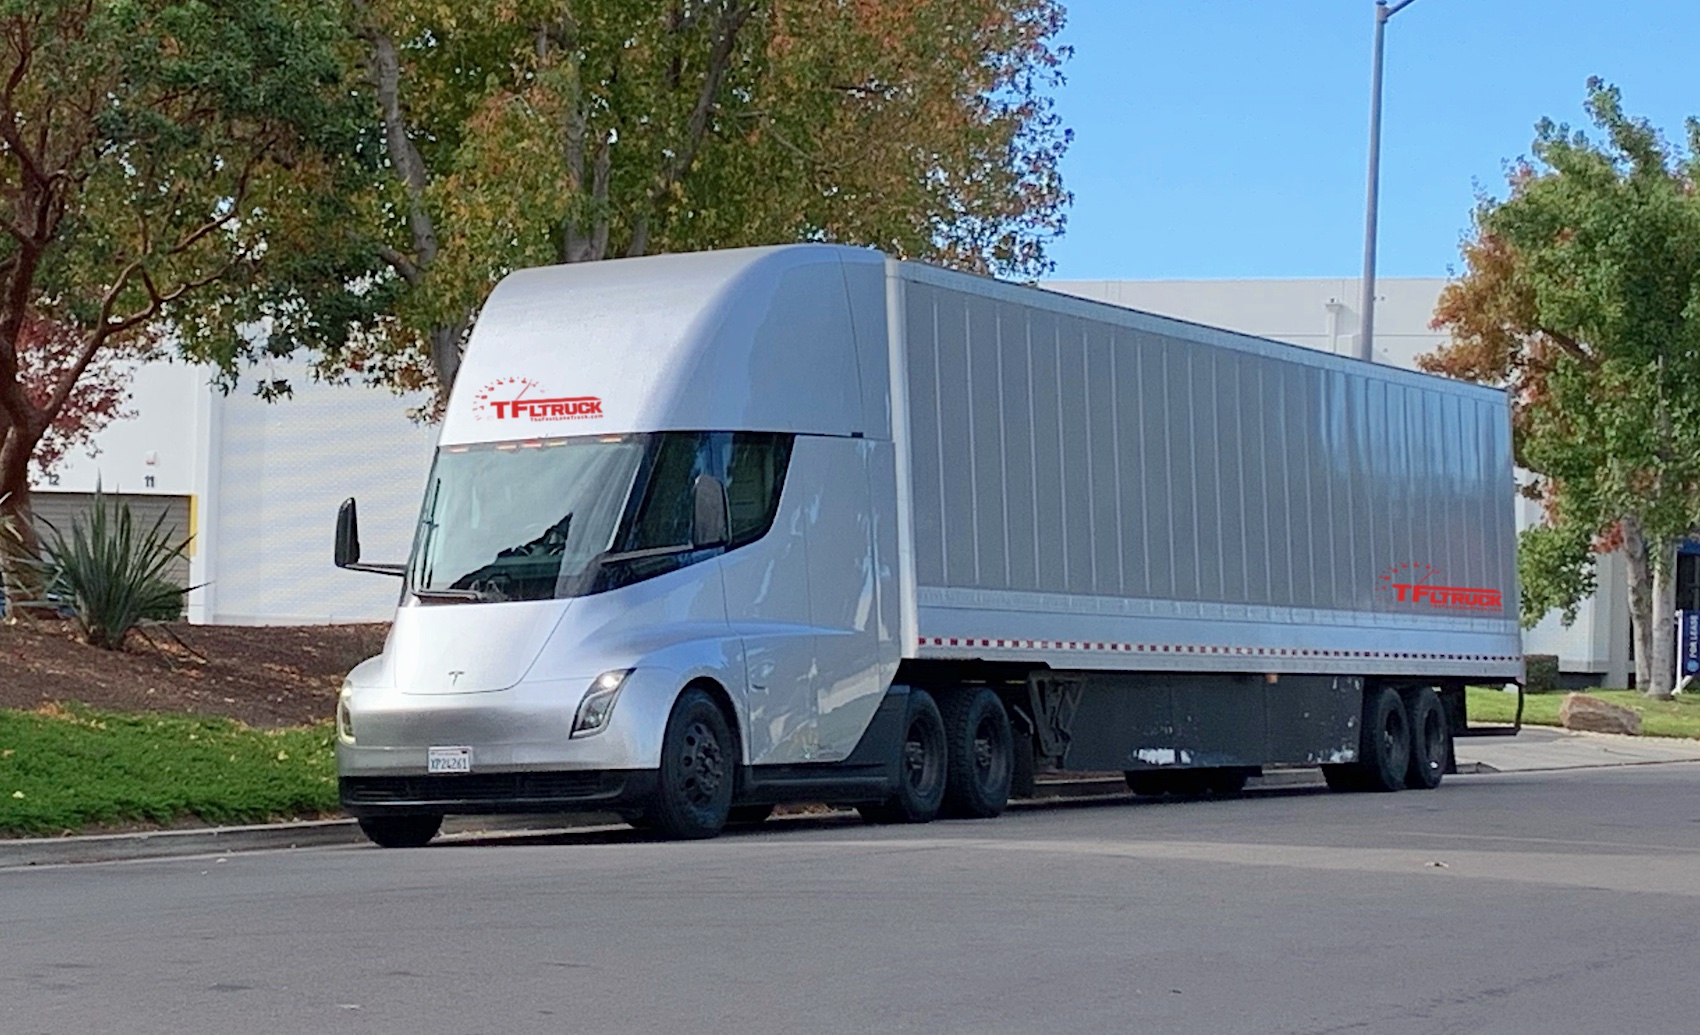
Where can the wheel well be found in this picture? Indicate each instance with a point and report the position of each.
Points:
(723, 701)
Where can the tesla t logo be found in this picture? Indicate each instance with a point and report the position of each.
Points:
(521, 398)
(1417, 584)
(455, 674)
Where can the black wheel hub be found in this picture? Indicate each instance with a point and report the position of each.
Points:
(702, 766)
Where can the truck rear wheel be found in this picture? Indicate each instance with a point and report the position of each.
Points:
(921, 770)
(401, 831)
(1385, 751)
(1431, 740)
(695, 782)
(981, 749)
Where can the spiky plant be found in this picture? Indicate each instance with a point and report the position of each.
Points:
(112, 572)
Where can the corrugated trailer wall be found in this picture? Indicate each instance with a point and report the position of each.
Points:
(1090, 482)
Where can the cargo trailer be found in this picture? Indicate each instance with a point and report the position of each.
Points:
(714, 532)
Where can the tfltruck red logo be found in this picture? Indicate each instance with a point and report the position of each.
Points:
(1419, 585)
(520, 398)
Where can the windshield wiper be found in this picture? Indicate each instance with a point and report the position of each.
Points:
(449, 595)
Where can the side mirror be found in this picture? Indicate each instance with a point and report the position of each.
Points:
(347, 534)
(348, 543)
(711, 523)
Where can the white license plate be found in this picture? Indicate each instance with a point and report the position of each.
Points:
(448, 760)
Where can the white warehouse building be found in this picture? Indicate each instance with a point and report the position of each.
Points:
(257, 484)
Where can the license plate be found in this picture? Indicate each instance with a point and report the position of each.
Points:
(448, 760)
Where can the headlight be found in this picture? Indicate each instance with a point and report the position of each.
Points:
(598, 703)
(344, 720)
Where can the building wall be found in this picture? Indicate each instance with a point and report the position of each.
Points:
(261, 483)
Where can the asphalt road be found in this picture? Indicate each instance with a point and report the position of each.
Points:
(1544, 902)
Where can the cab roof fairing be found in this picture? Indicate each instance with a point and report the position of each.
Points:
(790, 338)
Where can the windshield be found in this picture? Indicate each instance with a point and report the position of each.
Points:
(515, 521)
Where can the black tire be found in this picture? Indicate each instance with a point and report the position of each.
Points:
(923, 767)
(1147, 783)
(1343, 777)
(694, 786)
(748, 815)
(981, 751)
(401, 831)
(1384, 751)
(1024, 771)
(1188, 783)
(1431, 740)
(1227, 782)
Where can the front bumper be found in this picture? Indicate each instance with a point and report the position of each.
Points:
(575, 790)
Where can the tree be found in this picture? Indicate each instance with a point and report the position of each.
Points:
(526, 132)
(1581, 295)
(46, 353)
(164, 174)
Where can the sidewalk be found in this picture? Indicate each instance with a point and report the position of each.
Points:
(1535, 749)
(1539, 748)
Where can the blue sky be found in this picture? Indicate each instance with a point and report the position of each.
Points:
(1228, 138)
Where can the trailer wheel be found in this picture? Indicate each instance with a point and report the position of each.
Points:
(1386, 740)
(1145, 783)
(1343, 777)
(1431, 740)
(976, 730)
(401, 831)
(922, 768)
(695, 786)
(1227, 782)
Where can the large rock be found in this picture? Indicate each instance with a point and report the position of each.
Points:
(1581, 712)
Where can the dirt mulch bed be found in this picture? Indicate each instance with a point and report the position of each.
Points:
(265, 676)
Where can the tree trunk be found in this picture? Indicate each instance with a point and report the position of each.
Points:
(1662, 657)
(20, 548)
(445, 356)
(1640, 573)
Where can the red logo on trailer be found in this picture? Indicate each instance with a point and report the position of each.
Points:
(520, 398)
(1416, 584)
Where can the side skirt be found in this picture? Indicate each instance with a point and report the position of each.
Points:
(869, 774)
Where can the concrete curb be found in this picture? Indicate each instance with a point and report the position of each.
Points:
(22, 853)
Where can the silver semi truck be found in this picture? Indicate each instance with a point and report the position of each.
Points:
(708, 533)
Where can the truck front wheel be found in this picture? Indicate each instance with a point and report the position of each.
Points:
(694, 792)
(401, 831)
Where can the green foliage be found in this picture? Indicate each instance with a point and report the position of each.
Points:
(112, 572)
(528, 132)
(1581, 296)
(1555, 568)
(66, 767)
(1677, 717)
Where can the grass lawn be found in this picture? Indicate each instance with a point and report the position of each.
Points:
(65, 767)
(1676, 718)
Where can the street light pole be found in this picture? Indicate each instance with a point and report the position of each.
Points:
(1366, 331)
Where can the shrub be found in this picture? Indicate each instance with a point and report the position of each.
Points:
(111, 574)
(1540, 673)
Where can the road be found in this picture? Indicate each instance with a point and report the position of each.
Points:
(1541, 902)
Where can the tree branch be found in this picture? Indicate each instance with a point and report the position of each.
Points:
(385, 72)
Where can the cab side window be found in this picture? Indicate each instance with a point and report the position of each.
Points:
(755, 478)
(664, 516)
